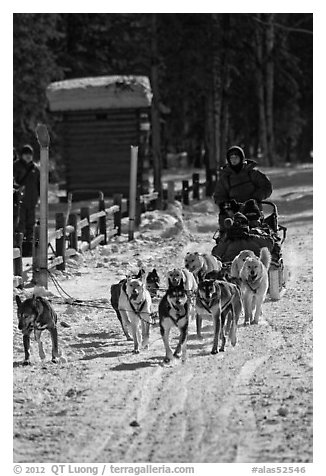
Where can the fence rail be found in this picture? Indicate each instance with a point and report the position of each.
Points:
(80, 232)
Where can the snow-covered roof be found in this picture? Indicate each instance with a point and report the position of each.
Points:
(102, 92)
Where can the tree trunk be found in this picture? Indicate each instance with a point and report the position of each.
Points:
(216, 92)
(261, 94)
(155, 114)
(210, 163)
(270, 87)
(225, 87)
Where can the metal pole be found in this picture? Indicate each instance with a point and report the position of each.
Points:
(44, 141)
(132, 190)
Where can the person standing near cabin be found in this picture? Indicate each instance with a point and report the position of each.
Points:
(240, 181)
(27, 179)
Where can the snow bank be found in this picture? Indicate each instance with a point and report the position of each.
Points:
(165, 224)
(156, 220)
(204, 206)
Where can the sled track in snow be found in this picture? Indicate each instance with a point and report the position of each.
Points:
(165, 406)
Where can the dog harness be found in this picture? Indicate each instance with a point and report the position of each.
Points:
(137, 312)
(175, 321)
(256, 282)
(40, 308)
(205, 305)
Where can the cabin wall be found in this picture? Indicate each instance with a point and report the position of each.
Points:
(96, 148)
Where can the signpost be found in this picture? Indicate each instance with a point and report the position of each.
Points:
(132, 191)
(44, 141)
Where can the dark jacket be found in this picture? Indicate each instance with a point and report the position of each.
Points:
(241, 186)
(27, 176)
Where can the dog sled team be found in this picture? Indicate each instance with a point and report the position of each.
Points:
(199, 290)
(203, 288)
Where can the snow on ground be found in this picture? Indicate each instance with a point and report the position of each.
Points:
(251, 404)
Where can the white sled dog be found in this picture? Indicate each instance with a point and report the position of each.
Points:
(254, 284)
(238, 262)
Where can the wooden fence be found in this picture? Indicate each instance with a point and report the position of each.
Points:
(194, 189)
(79, 232)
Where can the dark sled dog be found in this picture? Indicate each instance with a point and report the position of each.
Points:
(173, 311)
(222, 301)
(153, 282)
(36, 314)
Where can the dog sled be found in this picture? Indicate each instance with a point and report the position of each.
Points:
(243, 231)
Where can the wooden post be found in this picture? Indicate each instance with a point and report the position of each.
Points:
(132, 191)
(210, 182)
(85, 231)
(69, 204)
(60, 243)
(171, 192)
(18, 262)
(164, 197)
(195, 186)
(73, 236)
(185, 192)
(44, 141)
(213, 182)
(117, 200)
(36, 254)
(139, 207)
(102, 221)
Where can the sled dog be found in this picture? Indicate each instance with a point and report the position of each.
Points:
(153, 282)
(239, 260)
(222, 301)
(178, 276)
(201, 264)
(36, 314)
(133, 305)
(173, 311)
(254, 284)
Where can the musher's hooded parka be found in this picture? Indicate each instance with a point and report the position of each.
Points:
(241, 185)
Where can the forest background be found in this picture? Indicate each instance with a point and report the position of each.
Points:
(217, 78)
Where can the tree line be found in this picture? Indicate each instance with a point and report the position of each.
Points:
(218, 79)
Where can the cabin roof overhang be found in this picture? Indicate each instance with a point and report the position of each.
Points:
(102, 92)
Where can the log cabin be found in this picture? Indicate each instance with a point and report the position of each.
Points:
(98, 120)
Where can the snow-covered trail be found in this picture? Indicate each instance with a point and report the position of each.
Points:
(252, 403)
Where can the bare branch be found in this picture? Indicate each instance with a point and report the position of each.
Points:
(287, 28)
